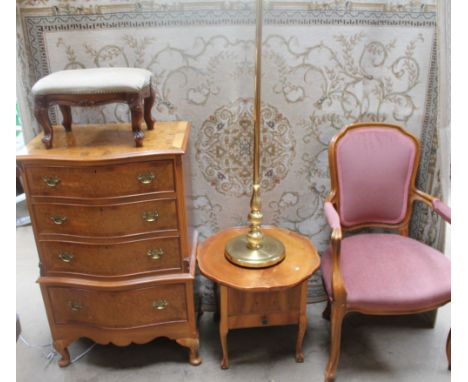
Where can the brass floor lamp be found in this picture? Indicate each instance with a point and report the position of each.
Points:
(256, 250)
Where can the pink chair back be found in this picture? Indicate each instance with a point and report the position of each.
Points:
(375, 169)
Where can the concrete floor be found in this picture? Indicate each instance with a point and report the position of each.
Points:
(374, 348)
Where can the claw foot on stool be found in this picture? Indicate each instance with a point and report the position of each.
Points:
(192, 345)
(61, 348)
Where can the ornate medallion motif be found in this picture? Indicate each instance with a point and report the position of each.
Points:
(225, 142)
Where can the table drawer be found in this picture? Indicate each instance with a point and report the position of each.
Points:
(109, 220)
(119, 309)
(101, 181)
(122, 259)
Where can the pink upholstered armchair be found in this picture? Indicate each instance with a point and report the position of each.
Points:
(373, 168)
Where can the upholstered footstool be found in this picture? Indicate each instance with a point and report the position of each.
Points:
(91, 87)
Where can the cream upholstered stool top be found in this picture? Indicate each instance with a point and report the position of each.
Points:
(91, 87)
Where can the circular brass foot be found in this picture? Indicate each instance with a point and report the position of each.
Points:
(237, 251)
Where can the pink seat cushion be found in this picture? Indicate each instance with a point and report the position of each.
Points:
(390, 272)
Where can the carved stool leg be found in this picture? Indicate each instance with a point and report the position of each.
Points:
(448, 350)
(136, 110)
(302, 323)
(41, 112)
(61, 347)
(337, 314)
(192, 344)
(223, 326)
(149, 102)
(67, 117)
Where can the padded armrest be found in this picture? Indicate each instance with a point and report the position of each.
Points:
(332, 216)
(442, 210)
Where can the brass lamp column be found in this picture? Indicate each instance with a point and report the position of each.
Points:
(255, 250)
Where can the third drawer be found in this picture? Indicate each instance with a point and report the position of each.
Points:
(162, 254)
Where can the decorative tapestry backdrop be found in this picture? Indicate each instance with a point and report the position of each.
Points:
(325, 64)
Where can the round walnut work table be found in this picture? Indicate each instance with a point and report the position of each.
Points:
(260, 297)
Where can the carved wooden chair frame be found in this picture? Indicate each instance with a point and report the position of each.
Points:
(337, 308)
(140, 104)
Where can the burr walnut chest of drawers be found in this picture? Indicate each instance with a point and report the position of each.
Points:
(113, 233)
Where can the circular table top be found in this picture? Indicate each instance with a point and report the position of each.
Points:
(301, 261)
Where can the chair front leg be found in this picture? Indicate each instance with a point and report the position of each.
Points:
(338, 311)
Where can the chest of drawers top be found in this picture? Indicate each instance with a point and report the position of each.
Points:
(109, 142)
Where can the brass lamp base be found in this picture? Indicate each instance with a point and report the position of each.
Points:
(272, 252)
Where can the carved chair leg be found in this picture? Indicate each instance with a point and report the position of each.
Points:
(192, 344)
(149, 102)
(326, 312)
(136, 110)
(337, 314)
(448, 350)
(61, 347)
(67, 117)
(41, 112)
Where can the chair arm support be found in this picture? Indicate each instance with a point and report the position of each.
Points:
(442, 210)
(333, 219)
(338, 287)
(437, 205)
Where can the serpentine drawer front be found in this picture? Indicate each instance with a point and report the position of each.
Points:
(102, 181)
(117, 254)
(112, 220)
(122, 309)
(112, 260)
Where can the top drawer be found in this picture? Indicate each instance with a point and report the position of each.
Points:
(101, 181)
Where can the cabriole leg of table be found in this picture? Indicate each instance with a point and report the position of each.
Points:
(302, 323)
(223, 325)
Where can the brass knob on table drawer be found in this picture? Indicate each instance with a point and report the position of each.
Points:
(160, 304)
(58, 219)
(66, 257)
(150, 216)
(75, 306)
(155, 254)
(146, 178)
(51, 181)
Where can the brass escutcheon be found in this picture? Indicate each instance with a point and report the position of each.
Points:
(160, 304)
(58, 219)
(75, 306)
(66, 257)
(150, 216)
(51, 181)
(146, 178)
(155, 254)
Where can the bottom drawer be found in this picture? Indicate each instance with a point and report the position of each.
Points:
(119, 309)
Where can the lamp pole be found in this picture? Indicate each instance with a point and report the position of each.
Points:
(256, 250)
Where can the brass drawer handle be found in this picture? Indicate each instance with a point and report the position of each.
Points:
(150, 216)
(51, 181)
(58, 219)
(160, 304)
(155, 254)
(146, 178)
(66, 257)
(75, 306)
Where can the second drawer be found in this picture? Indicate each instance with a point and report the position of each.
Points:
(111, 220)
(111, 260)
